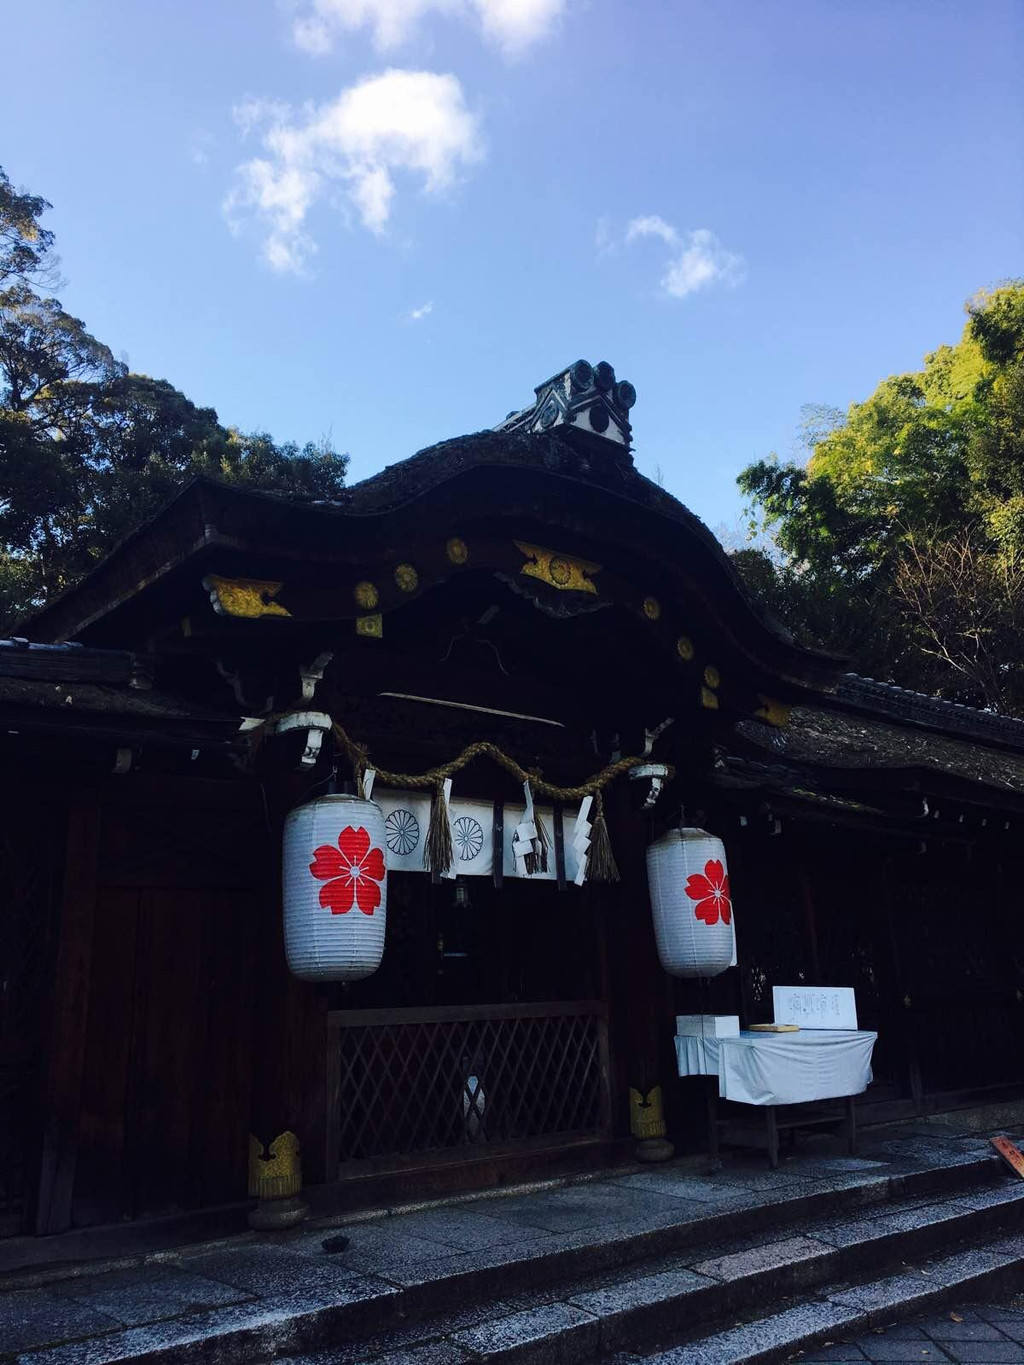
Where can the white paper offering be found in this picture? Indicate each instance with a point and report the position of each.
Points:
(581, 840)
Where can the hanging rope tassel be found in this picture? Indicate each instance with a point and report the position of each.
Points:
(600, 858)
(438, 853)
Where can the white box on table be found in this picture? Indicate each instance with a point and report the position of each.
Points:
(708, 1025)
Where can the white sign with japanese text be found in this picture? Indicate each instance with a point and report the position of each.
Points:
(815, 1006)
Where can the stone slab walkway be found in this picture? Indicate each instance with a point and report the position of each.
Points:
(972, 1334)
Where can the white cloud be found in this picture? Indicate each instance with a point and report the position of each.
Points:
(396, 123)
(512, 25)
(697, 259)
(417, 314)
(253, 112)
(651, 226)
(201, 146)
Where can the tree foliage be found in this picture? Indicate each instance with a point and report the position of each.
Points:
(963, 606)
(88, 449)
(911, 503)
(26, 247)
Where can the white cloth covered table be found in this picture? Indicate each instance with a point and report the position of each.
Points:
(781, 1068)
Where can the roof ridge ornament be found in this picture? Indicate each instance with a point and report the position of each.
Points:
(584, 398)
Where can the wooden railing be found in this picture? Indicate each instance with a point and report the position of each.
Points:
(429, 1080)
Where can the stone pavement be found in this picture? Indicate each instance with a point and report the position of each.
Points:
(484, 1260)
(974, 1334)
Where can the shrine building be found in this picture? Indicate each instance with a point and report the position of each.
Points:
(534, 662)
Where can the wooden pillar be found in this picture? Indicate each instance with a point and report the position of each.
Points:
(642, 1009)
(310, 1104)
(810, 916)
(601, 906)
(69, 1016)
(291, 1059)
(901, 1022)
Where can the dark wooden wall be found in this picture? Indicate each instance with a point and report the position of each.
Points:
(159, 1052)
(168, 1065)
(33, 835)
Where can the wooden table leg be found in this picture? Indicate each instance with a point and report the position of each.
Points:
(851, 1125)
(712, 1113)
(773, 1136)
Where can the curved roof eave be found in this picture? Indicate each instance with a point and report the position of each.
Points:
(128, 568)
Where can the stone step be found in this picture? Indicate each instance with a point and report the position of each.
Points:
(842, 1311)
(727, 1206)
(494, 1257)
(532, 1303)
(637, 1307)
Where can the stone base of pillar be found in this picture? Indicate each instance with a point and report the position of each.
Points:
(654, 1149)
(273, 1215)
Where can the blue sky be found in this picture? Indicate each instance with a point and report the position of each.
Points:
(388, 220)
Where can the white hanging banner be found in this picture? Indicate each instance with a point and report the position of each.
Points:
(472, 824)
(407, 817)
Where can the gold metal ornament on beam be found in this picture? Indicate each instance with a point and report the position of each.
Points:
(366, 595)
(708, 695)
(652, 608)
(684, 648)
(457, 550)
(564, 572)
(370, 626)
(406, 578)
(248, 598)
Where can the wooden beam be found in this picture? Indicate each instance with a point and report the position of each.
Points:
(69, 1016)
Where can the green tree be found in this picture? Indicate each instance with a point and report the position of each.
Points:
(25, 245)
(931, 459)
(88, 450)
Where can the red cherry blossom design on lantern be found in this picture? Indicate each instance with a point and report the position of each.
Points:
(351, 873)
(710, 889)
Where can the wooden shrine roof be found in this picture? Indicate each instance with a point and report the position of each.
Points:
(837, 746)
(930, 713)
(67, 687)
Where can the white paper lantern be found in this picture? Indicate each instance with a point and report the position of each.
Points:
(691, 904)
(335, 889)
